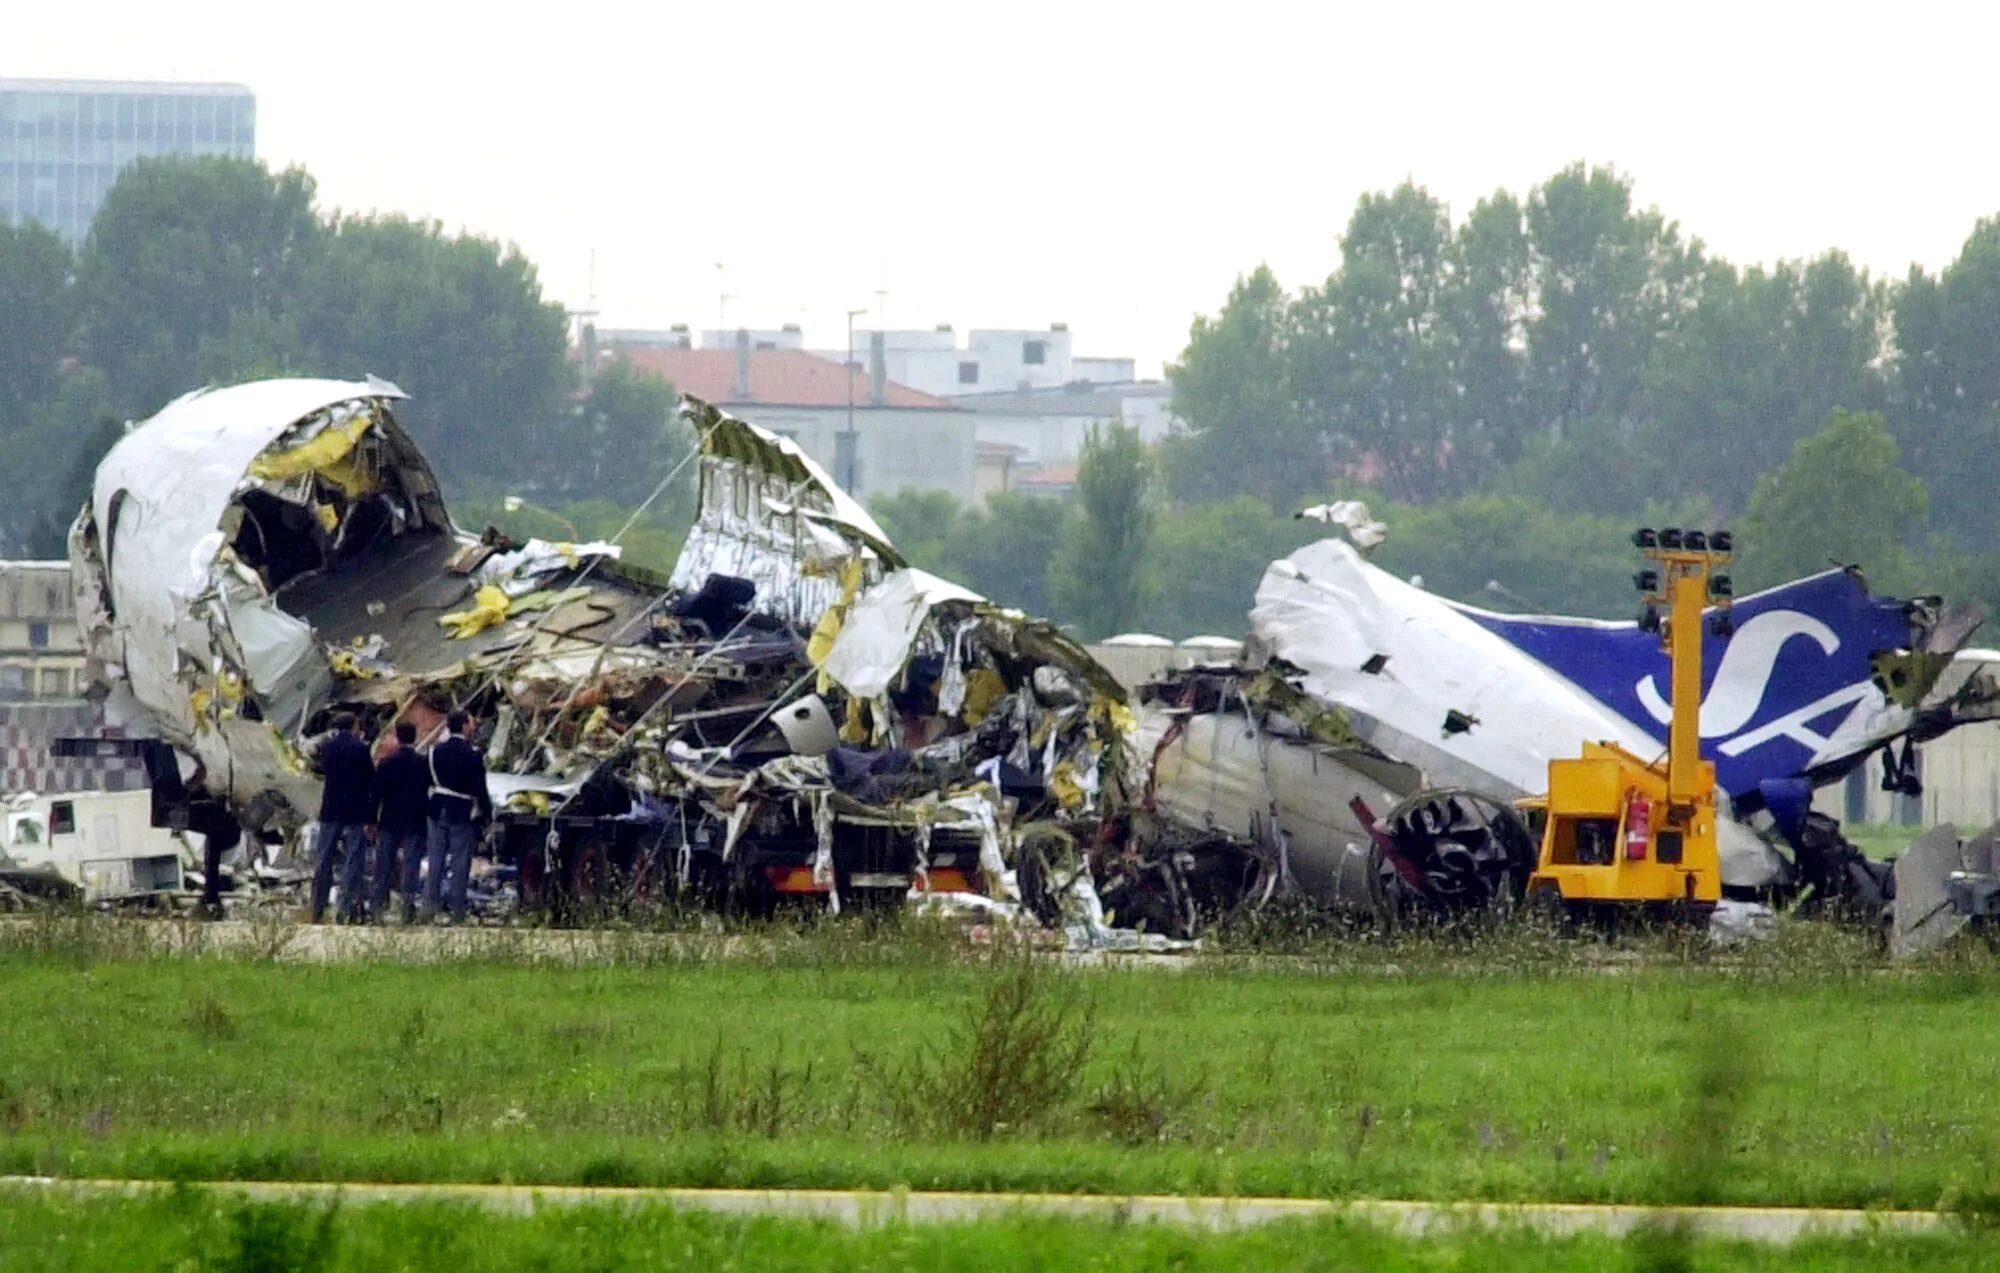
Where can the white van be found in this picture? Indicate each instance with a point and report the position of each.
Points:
(100, 844)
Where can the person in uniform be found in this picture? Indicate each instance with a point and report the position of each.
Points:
(402, 821)
(346, 811)
(460, 807)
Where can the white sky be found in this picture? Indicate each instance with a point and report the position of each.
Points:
(1114, 166)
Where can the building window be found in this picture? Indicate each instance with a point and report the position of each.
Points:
(55, 682)
(1034, 352)
(38, 635)
(968, 373)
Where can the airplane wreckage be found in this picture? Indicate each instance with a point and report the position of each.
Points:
(798, 712)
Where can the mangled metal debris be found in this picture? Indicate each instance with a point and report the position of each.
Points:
(798, 713)
(1369, 748)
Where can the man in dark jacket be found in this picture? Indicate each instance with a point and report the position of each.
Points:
(460, 807)
(402, 816)
(346, 807)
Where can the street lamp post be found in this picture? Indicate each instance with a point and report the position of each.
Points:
(850, 444)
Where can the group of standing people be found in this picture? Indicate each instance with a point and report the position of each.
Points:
(422, 810)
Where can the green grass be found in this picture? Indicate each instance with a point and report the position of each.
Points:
(1884, 840)
(193, 1230)
(1495, 1070)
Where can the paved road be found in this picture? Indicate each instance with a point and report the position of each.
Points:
(1777, 1225)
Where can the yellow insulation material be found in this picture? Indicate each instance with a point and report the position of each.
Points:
(489, 606)
(329, 454)
(983, 688)
(1067, 790)
(536, 802)
(1115, 713)
(827, 630)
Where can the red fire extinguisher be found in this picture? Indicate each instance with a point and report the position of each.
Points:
(1638, 826)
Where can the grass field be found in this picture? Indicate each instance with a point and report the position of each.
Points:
(1441, 1072)
(195, 1231)
(1883, 840)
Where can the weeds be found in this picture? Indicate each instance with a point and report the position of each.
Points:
(1011, 1063)
(1139, 1103)
(1975, 1209)
(208, 1019)
(279, 1238)
(1019, 1053)
(412, 1101)
(736, 1092)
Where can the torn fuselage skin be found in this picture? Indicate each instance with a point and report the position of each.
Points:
(200, 522)
(1345, 661)
(798, 715)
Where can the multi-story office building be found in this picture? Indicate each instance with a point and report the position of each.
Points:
(64, 142)
(43, 683)
(41, 650)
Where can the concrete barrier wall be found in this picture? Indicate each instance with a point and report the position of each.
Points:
(1961, 775)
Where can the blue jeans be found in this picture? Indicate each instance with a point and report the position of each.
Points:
(345, 843)
(390, 847)
(450, 865)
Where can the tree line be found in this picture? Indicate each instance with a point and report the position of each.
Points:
(214, 270)
(1514, 391)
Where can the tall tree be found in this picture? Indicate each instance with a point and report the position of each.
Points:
(1489, 302)
(1376, 354)
(623, 438)
(1098, 579)
(1842, 496)
(1004, 550)
(1609, 280)
(1210, 558)
(920, 524)
(1947, 385)
(457, 321)
(181, 250)
(35, 319)
(1593, 466)
(52, 462)
(1762, 361)
(1233, 387)
(1512, 554)
(257, 345)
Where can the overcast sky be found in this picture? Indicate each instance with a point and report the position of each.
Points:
(1113, 166)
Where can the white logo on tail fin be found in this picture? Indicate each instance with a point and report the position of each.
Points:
(1747, 663)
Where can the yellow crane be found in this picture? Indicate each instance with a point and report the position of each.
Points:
(1621, 831)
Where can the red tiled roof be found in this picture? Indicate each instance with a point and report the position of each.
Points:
(1054, 475)
(778, 378)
